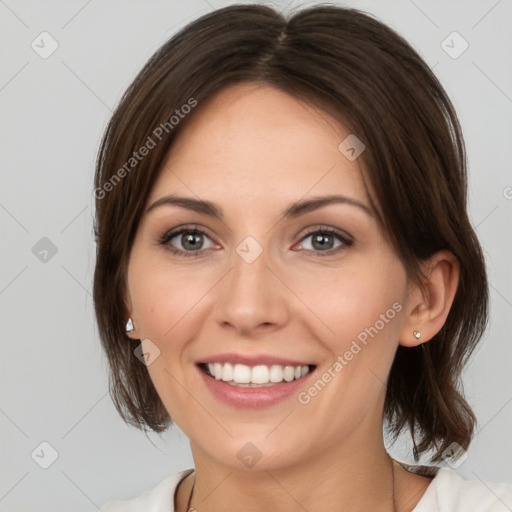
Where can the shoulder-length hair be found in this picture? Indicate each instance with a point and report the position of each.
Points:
(366, 76)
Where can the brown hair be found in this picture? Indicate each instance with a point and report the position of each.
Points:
(369, 78)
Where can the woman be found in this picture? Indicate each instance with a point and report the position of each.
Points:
(285, 260)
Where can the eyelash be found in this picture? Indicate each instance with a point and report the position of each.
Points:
(167, 237)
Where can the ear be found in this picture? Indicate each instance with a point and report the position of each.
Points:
(131, 329)
(428, 304)
(130, 322)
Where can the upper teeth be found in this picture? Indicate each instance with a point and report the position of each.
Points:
(261, 374)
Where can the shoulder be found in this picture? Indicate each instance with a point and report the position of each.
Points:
(450, 492)
(158, 499)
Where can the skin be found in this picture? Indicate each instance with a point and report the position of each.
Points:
(295, 300)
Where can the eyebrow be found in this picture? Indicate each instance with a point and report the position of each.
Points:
(294, 210)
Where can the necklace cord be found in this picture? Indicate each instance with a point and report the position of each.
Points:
(190, 496)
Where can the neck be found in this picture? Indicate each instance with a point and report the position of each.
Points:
(351, 480)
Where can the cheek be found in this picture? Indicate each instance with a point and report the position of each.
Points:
(167, 304)
(163, 297)
(355, 301)
(357, 318)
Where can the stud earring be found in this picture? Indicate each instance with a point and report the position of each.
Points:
(129, 326)
(417, 334)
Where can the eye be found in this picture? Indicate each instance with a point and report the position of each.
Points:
(326, 240)
(187, 241)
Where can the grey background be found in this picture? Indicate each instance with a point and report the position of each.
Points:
(54, 110)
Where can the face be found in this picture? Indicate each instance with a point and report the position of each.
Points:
(259, 250)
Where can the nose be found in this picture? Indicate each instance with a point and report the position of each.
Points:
(251, 299)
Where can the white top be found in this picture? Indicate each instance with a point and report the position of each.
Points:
(448, 492)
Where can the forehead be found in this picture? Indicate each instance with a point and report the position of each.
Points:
(256, 140)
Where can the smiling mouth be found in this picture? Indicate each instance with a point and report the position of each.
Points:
(256, 376)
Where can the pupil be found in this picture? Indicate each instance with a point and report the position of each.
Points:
(322, 241)
(191, 241)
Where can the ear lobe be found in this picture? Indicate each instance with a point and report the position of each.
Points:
(430, 302)
(131, 330)
(130, 325)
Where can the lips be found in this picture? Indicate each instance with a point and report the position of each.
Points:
(253, 381)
